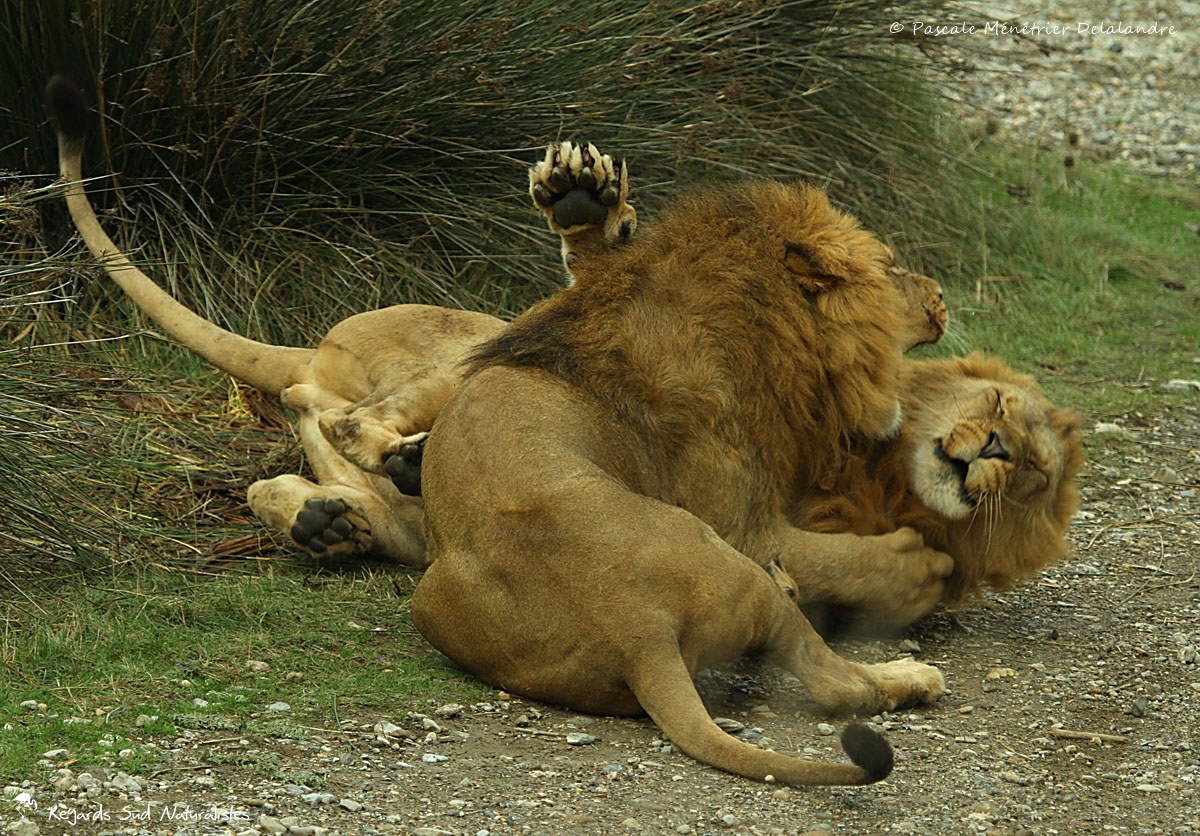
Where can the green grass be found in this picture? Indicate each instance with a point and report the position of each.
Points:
(153, 643)
(1091, 283)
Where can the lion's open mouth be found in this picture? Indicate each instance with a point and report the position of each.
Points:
(960, 469)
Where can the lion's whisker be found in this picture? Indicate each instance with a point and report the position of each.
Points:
(974, 514)
(993, 517)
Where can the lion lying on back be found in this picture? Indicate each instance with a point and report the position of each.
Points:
(376, 382)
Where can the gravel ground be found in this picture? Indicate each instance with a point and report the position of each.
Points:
(1073, 701)
(1129, 97)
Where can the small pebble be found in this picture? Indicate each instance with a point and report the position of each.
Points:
(270, 825)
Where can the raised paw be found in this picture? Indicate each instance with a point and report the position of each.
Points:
(330, 527)
(582, 191)
(404, 465)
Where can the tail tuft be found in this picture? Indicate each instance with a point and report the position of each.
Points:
(68, 108)
(869, 749)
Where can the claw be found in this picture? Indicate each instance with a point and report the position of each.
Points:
(542, 195)
(560, 179)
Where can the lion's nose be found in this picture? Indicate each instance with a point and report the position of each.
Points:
(994, 449)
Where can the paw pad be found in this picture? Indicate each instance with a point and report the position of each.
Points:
(321, 524)
(577, 184)
(404, 468)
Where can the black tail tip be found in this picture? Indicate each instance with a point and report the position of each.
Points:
(868, 749)
(68, 107)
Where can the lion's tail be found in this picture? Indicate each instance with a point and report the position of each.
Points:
(666, 691)
(267, 367)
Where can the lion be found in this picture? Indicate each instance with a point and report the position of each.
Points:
(984, 467)
(605, 485)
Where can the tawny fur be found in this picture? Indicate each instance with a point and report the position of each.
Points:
(606, 485)
(397, 365)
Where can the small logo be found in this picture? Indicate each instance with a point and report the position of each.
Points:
(24, 801)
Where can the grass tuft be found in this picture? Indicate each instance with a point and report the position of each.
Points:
(281, 167)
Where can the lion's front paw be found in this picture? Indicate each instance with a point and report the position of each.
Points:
(404, 465)
(331, 528)
(579, 189)
(903, 581)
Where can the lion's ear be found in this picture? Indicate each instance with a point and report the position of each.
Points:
(812, 270)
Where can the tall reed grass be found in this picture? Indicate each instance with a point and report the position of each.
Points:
(283, 165)
(279, 165)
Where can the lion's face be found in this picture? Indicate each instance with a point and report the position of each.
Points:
(989, 440)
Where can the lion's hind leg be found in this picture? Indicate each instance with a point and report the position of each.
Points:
(341, 523)
(315, 517)
(347, 513)
(584, 196)
(844, 687)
